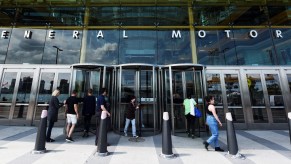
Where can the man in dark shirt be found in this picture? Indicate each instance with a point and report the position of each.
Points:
(72, 115)
(101, 106)
(89, 107)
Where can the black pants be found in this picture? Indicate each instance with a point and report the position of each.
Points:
(49, 129)
(87, 122)
(190, 123)
(98, 119)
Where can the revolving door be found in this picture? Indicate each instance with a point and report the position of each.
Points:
(179, 80)
(139, 80)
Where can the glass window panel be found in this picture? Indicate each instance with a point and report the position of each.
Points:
(20, 111)
(237, 114)
(173, 50)
(289, 81)
(7, 16)
(105, 16)
(279, 115)
(140, 46)
(260, 115)
(24, 87)
(138, 16)
(127, 85)
(212, 15)
(261, 46)
(7, 86)
(283, 45)
(256, 90)
(103, 50)
(274, 90)
(275, 98)
(63, 85)
(146, 80)
(279, 15)
(63, 49)
(232, 88)
(55, 16)
(4, 43)
(4, 111)
(215, 48)
(67, 16)
(257, 98)
(214, 88)
(240, 15)
(172, 16)
(45, 88)
(26, 50)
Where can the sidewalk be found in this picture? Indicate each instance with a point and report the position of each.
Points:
(17, 142)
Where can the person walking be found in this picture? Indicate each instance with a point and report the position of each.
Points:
(101, 106)
(53, 110)
(72, 115)
(212, 121)
(189, 104)
(130, 116)
(89, 107)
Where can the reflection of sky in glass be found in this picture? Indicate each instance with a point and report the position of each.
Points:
(22, 50)
(47, 77)
(64, 40)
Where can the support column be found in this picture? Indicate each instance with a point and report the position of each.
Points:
(192, 33)
(85, 35)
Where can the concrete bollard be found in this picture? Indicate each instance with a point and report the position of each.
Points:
(102, 137)
(41, 134)
(166, 138)
(231, 138)
(289, 123)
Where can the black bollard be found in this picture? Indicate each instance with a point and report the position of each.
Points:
(231, 136)
(166, 138)
(41, 134)
(289, 118)
(102, 137)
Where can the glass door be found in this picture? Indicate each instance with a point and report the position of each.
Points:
(139, 81)
(265, 90)
(51, 79)
(179, 81)
(16, 96)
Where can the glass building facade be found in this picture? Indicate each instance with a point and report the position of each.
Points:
(240, 52)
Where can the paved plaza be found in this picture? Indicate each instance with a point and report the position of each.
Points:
(266, 147)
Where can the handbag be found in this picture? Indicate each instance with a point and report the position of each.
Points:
(197, 112)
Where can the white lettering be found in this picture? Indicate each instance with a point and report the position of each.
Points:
(51, 34)
(253, 33)
(176, 35)
(201, 34)
(124, 36)
(279, 34)
(227, 33)
(27, 34)
(4, 34)
(76, 34)
(100, 34)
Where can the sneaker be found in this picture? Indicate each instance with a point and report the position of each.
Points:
(219, 149)
(69, 139)
(125, 134)
(50, 140)
(206, 145)
(135, 136)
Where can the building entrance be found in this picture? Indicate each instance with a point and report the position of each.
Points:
(180, 81)
(139, 80)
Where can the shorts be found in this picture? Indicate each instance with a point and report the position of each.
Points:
(72, 118)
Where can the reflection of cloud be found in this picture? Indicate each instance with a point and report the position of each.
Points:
(100, 52)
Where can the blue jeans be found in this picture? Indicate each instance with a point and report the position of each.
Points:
(213, 126)
(132, 124)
